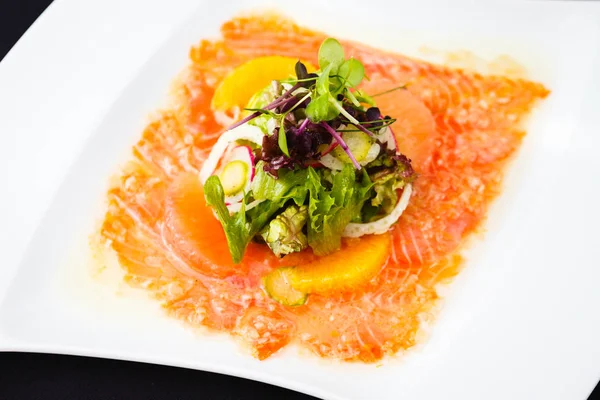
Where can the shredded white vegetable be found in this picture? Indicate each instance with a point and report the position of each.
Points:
(225, 119)
(331, 162)
(372, 154)
(271, 124)
(385, 135)
(382, 225)
(335, 164)
(242, 132)
(238, 206)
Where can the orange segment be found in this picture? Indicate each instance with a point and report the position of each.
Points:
(356, 264)
(240, 84)
(414, 127)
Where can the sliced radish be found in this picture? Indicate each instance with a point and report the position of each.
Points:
(242, 132)
(381, 225)
(246, 155)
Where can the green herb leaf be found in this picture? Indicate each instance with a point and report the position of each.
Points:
(353, 71)
(391, 173)
(237, 229)
(364, 98)
(320, 109)
(331, 53)
(323, 81)
(353, 99)
(386, 192)
(282, 141)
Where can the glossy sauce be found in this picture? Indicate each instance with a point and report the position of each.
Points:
(459, 128)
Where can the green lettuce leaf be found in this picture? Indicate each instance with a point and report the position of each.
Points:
(240, 227)
(288, 185)
(392, 172)
(284, 234)
(386, 190)
(259, 101)
(330, 209)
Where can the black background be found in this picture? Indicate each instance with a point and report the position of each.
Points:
(26, 376)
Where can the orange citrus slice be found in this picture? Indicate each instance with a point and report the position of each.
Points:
(355, 264)
(236, 89)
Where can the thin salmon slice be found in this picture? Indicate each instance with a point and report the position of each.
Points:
(194, 231)
(459, 128)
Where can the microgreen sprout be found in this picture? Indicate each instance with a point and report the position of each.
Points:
(389, 91)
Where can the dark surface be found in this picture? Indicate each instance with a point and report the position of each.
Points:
(15, 18)
(26, 376)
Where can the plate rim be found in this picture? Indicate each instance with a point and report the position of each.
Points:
(44, 17)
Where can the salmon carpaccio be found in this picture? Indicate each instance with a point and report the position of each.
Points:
(460, 128)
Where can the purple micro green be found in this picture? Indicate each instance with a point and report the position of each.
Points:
(244, 120)
(303, 125)
(365, 130)
(291, 90)
(343, 144)
(275, 103)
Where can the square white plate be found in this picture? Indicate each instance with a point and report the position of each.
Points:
(520, 322)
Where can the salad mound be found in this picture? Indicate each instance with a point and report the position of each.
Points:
(311, 161)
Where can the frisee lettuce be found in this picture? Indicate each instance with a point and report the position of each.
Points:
(284, 234)
(386, 190)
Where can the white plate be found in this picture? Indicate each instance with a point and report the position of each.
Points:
(520, 322)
